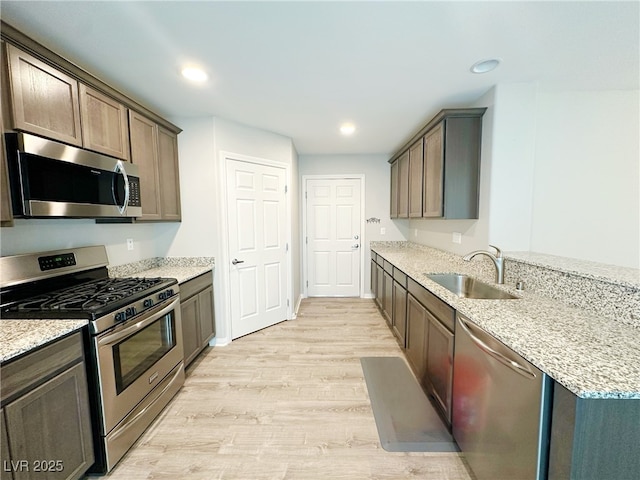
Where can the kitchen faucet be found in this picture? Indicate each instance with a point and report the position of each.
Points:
(498, 261)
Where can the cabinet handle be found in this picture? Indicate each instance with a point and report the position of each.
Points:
(508, 362)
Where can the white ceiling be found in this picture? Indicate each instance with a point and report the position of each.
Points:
(301, 68)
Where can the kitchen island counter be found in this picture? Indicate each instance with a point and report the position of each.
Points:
(593, 356)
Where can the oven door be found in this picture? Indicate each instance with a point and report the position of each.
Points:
(135, 357)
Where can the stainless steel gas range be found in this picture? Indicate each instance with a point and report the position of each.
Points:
(133, 343)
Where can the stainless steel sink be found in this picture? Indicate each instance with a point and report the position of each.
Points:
(468, 287)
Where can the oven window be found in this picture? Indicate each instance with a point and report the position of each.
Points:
(137, 353)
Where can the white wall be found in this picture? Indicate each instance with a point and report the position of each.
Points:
(36, 235)
(559, 175)
(231, 137)
(587, 176)
(377, 193)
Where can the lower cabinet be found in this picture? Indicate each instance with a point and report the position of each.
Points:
(592, 438)
(440, 365)
(387, 292)
(399, 320)
(417, 337)
(198, 319)
(379, 285)
(46, 423)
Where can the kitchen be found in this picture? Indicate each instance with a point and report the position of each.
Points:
(524, 205)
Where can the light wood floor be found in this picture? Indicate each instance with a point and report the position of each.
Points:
(288, 402)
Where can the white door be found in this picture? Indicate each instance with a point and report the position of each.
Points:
(257, 246)
(333, 237)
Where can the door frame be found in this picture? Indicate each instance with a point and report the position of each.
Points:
(305, 246)
(225, 257)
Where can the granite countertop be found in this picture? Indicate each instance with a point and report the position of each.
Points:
(180, 268)
(182, 274)
(592, 356)
(20, 336)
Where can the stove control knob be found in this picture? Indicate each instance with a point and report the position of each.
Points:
(130, 312)
(162, 296)
(148, 303)
(120, 317)
(170, 292)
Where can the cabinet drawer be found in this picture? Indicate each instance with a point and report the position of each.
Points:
(437, 307)
(195, 285)
(400, 277)
(388, 267)
(27, 372)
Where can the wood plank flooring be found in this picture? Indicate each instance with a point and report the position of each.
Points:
(287, 402)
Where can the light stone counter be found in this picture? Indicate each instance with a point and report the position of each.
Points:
(20, 336)
(593, 356)
(180, 268)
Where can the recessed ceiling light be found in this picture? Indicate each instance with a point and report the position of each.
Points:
(484, 66)
(194, 74)
(347, 128)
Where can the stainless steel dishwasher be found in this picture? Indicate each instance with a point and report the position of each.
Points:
(500, 408)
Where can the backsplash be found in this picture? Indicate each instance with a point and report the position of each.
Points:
(607, 290)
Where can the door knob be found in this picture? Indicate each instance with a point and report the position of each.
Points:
(356, 237)
(235, 261)
(355, 246)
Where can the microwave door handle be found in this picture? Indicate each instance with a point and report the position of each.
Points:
(120, 169)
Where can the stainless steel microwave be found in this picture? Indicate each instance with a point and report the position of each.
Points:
(51, 179)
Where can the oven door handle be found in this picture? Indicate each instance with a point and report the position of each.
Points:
(116, 337)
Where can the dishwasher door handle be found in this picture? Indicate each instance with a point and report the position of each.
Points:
(512, 364)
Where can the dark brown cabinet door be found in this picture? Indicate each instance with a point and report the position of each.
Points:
(440, 364)
(52, 424)
(104, 123)
(197, 312)
(387, 303)
(433, 173)
(189, 311)
(400, 313)
(144, 153)
(379, 286)
(168, 176)
(6, 215)
(394, 190)
(44, 101)
(417, 333)
(206, 317)
(403, 185)
(4, 449)
(415, 179)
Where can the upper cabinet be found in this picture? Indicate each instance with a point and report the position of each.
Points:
(444, 167)
(403, 185)
(155, 151)
(104, 123)
(415, 178)
(47, 102)
(44, 101)
(46, 95)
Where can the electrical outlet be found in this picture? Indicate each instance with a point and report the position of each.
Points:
(129, 243)
(456, 238)
(383, 231)
(415, 232)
